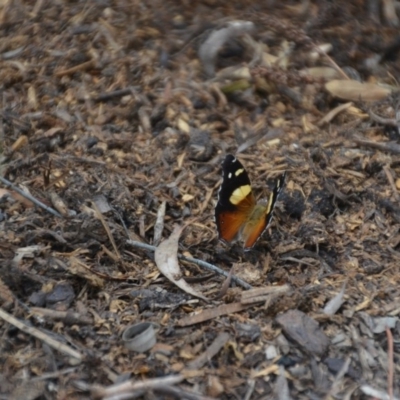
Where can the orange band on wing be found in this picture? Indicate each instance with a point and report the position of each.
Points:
(251, 233)
(229, 224)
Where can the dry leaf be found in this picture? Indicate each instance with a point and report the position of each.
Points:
(356, 91)
(234, 72)
(321, 72)
(166, 257)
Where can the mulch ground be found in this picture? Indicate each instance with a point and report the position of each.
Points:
(116, 116)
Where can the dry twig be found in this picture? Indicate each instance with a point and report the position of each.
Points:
(30, 197)
(30, 330)
(201, 263)
(107, 229)
(210, 352)
(389, 177)
(211, 313)
(125, 389)
(390, 362)
(389, 147)
(68, 317)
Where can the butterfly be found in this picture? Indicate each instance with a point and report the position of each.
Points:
(237, 213)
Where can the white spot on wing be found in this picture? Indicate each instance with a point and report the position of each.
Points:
(239, 171)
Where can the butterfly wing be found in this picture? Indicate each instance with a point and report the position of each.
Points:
(260, 219)
(235, 201)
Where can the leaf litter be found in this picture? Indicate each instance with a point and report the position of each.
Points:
(166, 258)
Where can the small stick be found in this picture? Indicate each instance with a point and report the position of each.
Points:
(200, 263)
(334, 65)
(37, 8)
(332, 114)
(30, 197)
(159, 225)
(389, 177)
(81, 67)
(390, 147)
(390, 362)
(30, 330)
(130, 387)
(82, 160)
(214, 348)
(68, 317)
(107, 229)
(383, 121)
(112, 95)
(251, 384)
(51, 375)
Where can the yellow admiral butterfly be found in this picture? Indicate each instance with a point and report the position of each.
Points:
(237, 213)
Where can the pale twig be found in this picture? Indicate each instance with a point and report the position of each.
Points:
(30, 197)
(52, 375)
(107, 229)
(390, 147)
(159, 225)
(200, 263)
(334, 65)
(390, 362)
(68, 317)
(251, 384)
(37, 8)
(119, 390)
(214, 348)
(30, 330)
(77, 68)
(390, 179)
(383, 121)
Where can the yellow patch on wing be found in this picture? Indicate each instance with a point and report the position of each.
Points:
(240, 194)
(270, 203)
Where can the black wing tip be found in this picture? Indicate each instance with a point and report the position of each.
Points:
(228, 158)
(280, 183)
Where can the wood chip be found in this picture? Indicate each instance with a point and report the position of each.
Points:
(304, 331)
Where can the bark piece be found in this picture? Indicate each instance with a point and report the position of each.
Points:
(304, 331)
